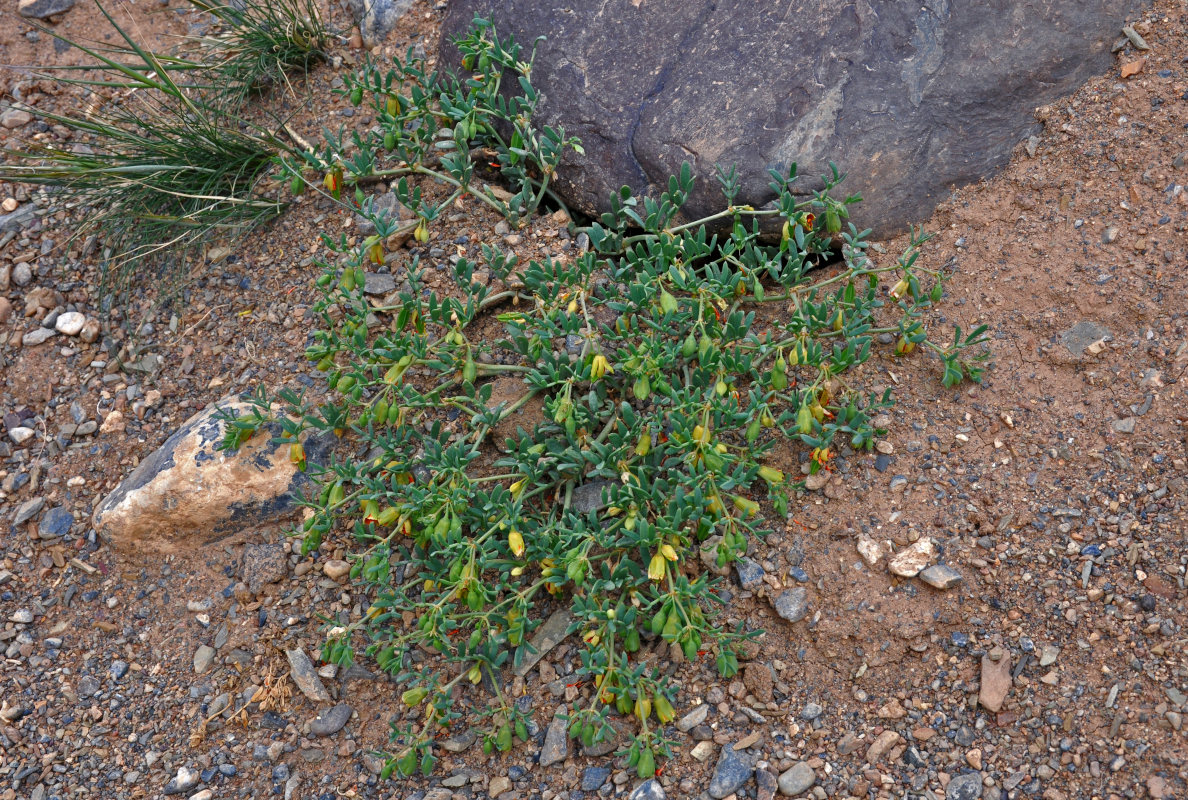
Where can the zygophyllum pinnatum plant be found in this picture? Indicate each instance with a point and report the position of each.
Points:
(670, 363)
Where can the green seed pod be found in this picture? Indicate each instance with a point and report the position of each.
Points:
(389, 141)
(689, 347)
(753, 431)
(647, 764)
(668, 303)
(671, 627)
(658, 622)
(356, 95)
(345, 384)
(832, 220)
(297, 185)
(642, 387)
(804, 419)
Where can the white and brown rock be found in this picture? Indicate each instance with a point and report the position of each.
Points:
(908, 562)
(191, 488)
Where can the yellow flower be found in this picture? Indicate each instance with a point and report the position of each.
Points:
(599, 367)
(657, 567)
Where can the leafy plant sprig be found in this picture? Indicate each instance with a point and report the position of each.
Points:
(428, 124)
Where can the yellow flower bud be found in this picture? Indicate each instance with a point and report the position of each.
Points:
(515, 542)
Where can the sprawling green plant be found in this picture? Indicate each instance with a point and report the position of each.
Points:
(672, 366)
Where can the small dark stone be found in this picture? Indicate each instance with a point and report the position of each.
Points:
(965, 787)
(750, 574)
(118, 669)
(732, 772)
(588, 496)
(594, 777)
(882, 461)
(330, 721)
(264, 564)
(56, 522)
(273, 720)
(792, 604)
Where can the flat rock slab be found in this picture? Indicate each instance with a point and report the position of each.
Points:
(40, 9)
(996, 680)
(556, 742)
(733, 770)
(1084, 335)
(550, 634)
(301, 670)
(189, 489)
(908, 97)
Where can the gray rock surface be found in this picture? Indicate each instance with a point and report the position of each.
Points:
(965, 787)
(909, 98)
(648, 790)
(941, 576)
(40, 9)
(733, 770)
(263, 564)
(792, 604)
(556, 743)
(330, 721)
(302, 671)
(377, 18)
(798, 779)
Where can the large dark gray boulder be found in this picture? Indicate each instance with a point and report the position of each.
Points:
(909, 97)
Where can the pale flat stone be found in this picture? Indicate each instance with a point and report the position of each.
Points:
(70, 323)
(908, 562)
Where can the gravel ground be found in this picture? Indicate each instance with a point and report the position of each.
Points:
(1044, 659)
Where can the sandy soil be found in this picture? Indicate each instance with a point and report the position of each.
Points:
(1057, 488)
